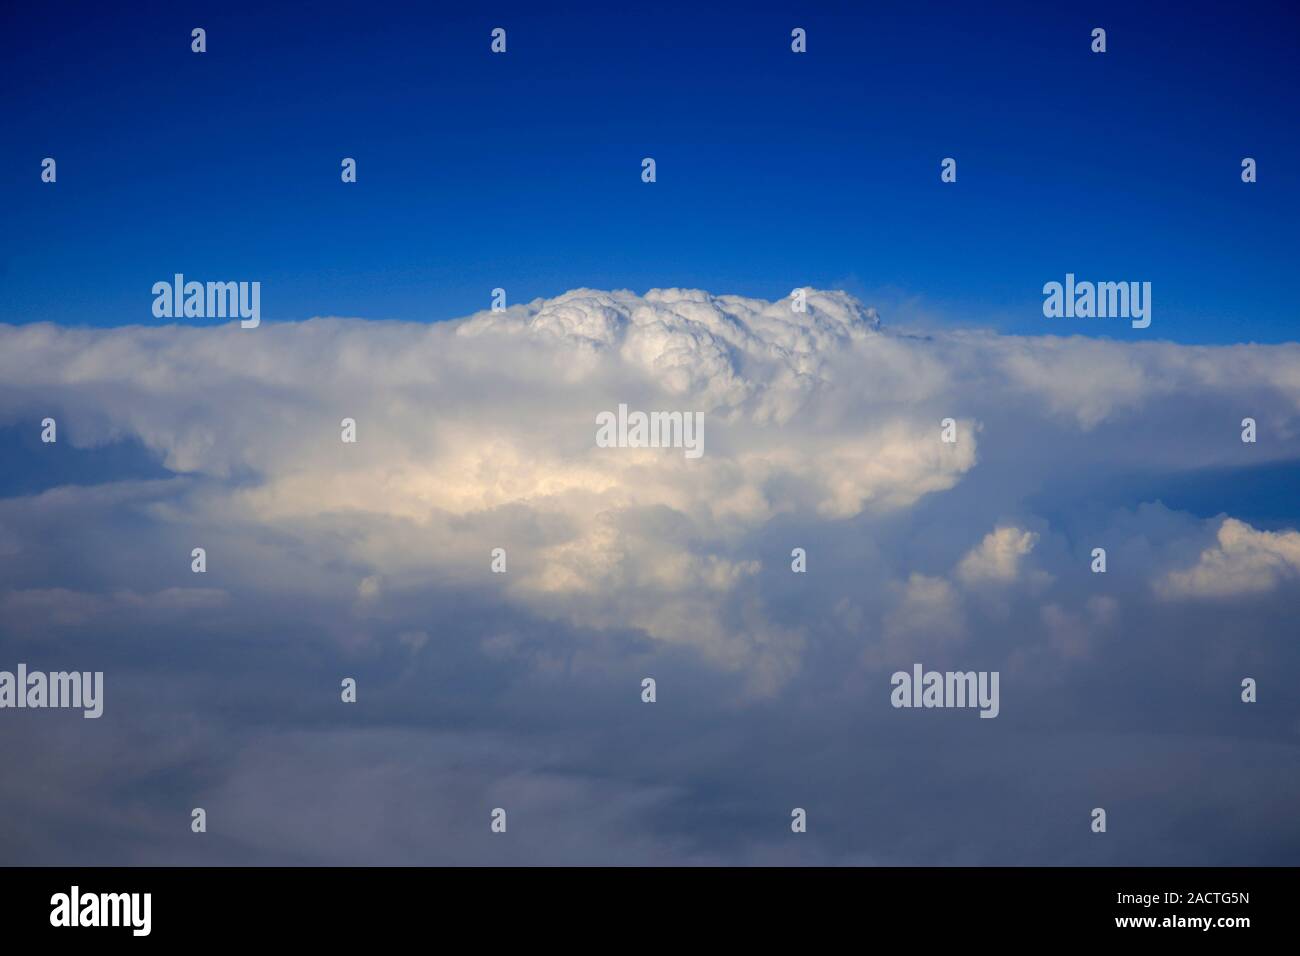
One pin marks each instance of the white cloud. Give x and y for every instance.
(479, 433)
(997, 558)
(1245, 561)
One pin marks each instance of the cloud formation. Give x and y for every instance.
(997, 559)
(1244, 561)
(822, 432)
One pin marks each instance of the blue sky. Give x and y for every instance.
(774, 170)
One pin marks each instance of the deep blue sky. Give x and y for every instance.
(775, 170)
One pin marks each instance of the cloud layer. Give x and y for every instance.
(822, 431)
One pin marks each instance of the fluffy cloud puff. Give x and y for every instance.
(997, 559)
(1243, 561)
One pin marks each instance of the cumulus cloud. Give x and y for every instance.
(479, 433)
(997, 558)
(1244, 561)
(822, 431)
